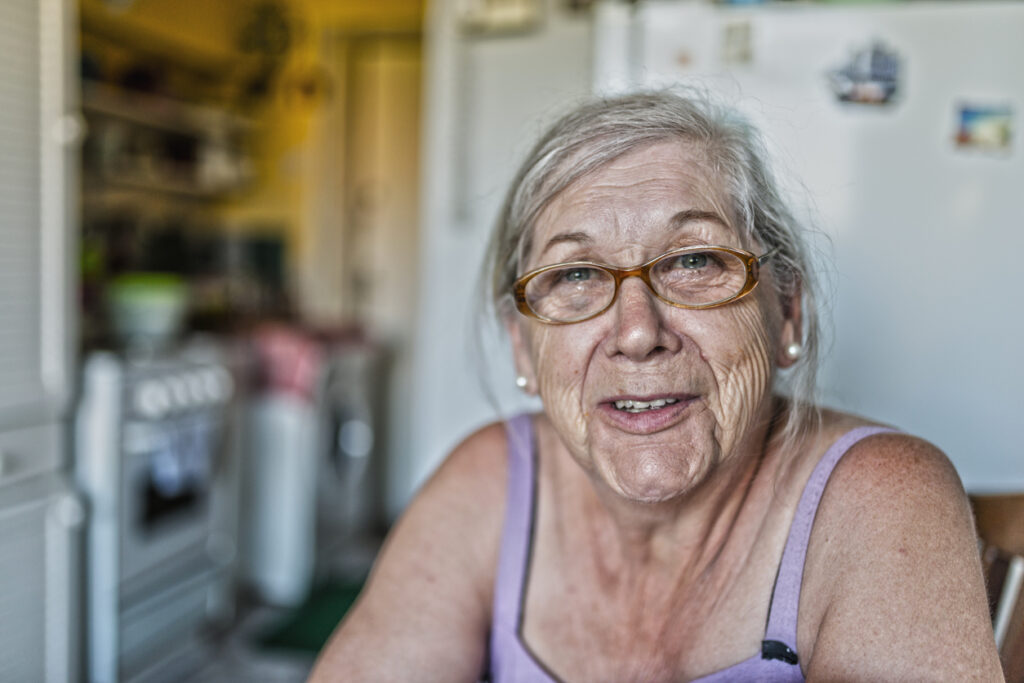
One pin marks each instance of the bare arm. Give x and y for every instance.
(425, 612)
(895, 567)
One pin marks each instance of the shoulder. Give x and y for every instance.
(893, 498)
(454, 521)
(479, 462)
(893, 575)
(461, 506)
(888, 493)
(464, 499)
(892, 473)
(425, 611)
(886, 472)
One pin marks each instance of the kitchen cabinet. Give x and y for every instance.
(167, 152)
(158, 145)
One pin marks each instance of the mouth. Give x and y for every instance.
(646, 414)
(630, 405)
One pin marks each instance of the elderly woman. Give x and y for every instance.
(670, 515)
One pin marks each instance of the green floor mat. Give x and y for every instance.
(308, 627)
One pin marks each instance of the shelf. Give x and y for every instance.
(172, 188)
(134, 145)
(161, 113)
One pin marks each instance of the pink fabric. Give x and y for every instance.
(512, 662)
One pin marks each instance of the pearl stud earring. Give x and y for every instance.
(521, 382)
(794, 350)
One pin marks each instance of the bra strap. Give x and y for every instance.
(518, 525)
(780, 635)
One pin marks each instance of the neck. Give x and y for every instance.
(685, 536)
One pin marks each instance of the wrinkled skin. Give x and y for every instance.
(655, 560)
(720, 360)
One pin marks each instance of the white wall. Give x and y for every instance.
(920, 343)
(926, 237)
(485, 100)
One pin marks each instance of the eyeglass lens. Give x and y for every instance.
(690, 278)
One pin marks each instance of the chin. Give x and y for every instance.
(650, 479)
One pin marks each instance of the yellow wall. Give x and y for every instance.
(203, 35)
(210, 27)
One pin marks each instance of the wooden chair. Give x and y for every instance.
(1000, 521)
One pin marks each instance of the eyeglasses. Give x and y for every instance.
(691, 277)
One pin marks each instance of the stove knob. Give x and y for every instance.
(178, 389)
(197, 391)
(211, 385)
(219, 384)
(152, 400)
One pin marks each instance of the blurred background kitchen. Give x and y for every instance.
(239, 245)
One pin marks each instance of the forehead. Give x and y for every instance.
(633, 203)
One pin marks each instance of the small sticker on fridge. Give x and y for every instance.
(987, 128)
(737, 45)
(870, 76)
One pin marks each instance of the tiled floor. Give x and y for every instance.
(247, 670)
(236, 660)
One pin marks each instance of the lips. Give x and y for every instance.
(645, 414)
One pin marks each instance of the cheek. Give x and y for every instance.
(743, 369)
(560, 362)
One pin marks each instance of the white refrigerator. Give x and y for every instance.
(901, 121)
(41, 518)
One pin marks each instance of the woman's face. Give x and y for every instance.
(711, 368)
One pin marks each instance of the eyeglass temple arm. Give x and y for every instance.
(767, 255)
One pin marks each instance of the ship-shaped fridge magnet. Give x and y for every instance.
(871, 76)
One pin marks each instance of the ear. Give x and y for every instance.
(792, 328)
(514, 325)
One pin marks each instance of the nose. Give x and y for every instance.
(640, 330)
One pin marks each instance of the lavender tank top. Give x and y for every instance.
(511, 662)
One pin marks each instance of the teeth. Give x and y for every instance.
(639, 406)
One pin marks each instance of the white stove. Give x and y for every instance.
(157, 462)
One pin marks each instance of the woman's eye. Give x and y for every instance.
(692, 261)
(578, 274)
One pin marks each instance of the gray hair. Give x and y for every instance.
(602, 130)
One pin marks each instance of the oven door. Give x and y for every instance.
(167, 482)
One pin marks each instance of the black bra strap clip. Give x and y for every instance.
(774, 649)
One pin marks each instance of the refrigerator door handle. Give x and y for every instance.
(65, 520)
(62, 128)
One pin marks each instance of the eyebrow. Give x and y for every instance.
(574, 237)
(678, 220)
(690, 215)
